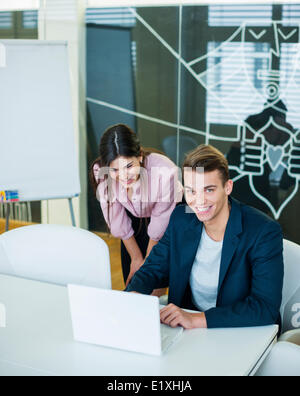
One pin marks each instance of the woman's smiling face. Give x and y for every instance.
(125, 170)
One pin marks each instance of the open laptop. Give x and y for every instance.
(120, 320)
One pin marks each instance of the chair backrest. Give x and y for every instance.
(283, 360)
(290, 307)
(56, 254)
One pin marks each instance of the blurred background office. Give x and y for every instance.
(227, 74)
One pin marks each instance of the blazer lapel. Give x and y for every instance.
(231, 239)
(190, 241)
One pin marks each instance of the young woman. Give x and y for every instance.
(137, 191)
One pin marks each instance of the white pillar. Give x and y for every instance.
(65, 20)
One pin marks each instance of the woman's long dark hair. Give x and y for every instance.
(118, 140)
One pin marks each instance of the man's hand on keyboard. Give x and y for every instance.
(174, 316)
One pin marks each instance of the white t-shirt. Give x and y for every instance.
(204, 278)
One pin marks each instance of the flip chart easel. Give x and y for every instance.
(38, 157)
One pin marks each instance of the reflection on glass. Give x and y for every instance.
(187, 75)
(6, 20)
(30, 19)
(231, 15)
(232, 82)
(121, 17)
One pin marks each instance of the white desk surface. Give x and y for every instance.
(38, 340)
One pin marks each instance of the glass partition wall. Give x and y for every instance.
(180, 76)
(227, 75)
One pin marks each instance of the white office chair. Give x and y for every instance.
(284, 358)
(56, 254)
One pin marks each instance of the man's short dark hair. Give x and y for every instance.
(210, 159)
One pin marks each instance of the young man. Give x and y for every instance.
(218, 256)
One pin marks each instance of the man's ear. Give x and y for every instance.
(229, 187)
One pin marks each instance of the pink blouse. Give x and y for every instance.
(154, 195)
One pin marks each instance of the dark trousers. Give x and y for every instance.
(140, 226)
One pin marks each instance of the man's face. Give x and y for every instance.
(205, 193)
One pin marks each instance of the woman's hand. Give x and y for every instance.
(134, 266)
(137, 259)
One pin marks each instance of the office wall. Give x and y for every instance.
(225, 75)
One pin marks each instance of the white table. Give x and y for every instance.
(38, 340)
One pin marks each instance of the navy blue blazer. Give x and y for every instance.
(251, 271)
